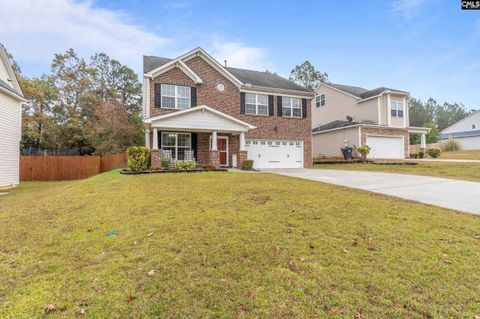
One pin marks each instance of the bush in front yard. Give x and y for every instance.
(363, 150)
(450, 145)
(138, 158)
(186, 165)
(165, 164)
(247, 165)
(414, 155)
(434, 152)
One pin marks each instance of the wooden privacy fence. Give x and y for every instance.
(58, 168)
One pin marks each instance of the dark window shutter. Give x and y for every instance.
(304, 108)
(242, 102)
(194, 145)
(270, 105)
(193, 97)
(279, 103)
(158, 95)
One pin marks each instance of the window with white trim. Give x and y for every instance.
(256, 104)
(175, 96)
(320, 100)
(396, 109)
(291, 107)
(177, 143)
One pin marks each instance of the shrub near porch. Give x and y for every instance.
(231, 245)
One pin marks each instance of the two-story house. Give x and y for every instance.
(344, 115)
(11, 99)
(194, 107)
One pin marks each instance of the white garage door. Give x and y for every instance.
(386, 147)
(275, 153)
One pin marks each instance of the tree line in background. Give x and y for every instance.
(82, 107)
(422, 114)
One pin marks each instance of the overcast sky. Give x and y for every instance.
(426, 47)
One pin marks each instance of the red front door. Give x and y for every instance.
(222, 150)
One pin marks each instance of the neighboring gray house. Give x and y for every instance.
(11, 99)
(466, 132)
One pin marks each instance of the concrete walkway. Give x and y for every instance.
(446, 160)
(454, 194)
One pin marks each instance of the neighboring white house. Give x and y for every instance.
(466, 132)
(11, 99)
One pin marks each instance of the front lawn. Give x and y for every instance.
(231, 245)
(463, 171)
(469, 155)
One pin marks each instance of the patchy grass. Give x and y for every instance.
(231, 245)
(463, 171)
(469, 155)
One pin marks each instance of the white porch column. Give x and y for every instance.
(214, 141)
(155, 139)
(423, 142)
(242, 142)
(389, 111)
(147, 138)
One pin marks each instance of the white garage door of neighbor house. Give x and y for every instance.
(386, 147)
(275, 153)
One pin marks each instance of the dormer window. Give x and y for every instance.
(473, 126)
(396, 109)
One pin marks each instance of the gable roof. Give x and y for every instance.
(265, 79)
(445, 130)
(334, 124)
(15, 90)
(240, 125)
(352, 90)
(243, 77)
(359, 92)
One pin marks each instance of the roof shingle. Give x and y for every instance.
(255, 78)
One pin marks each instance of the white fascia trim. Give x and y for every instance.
(379, 117)
(13, 76)
(419, 130)
(338, 90)
(210, 60)
(384, 92)
(177, 63)
(361, 125)
(201, 107)
(273, 91)
(12, 94)
(337, 128)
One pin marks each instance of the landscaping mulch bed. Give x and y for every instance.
(162, 171)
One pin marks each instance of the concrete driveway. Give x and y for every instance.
(454, 194)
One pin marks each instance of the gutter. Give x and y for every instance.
(13, 94)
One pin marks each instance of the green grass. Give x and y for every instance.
(463, 171)
(469, 155)
(231, 245)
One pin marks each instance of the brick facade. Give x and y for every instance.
(228, 102)
(387, 132)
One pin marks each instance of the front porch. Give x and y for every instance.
(199, 134)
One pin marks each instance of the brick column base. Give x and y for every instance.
(214, 158)
(241, 156)
(155, 157)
